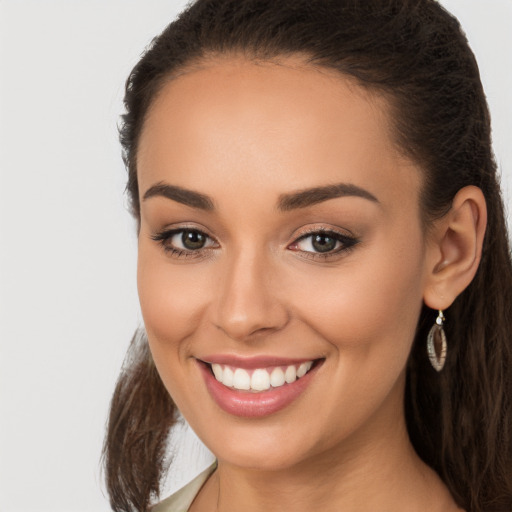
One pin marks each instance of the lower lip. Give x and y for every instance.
(254, 405)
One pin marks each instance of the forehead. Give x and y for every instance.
(283, 122)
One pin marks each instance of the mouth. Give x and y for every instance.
(258, 387)
(259, 379)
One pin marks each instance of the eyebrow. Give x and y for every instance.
(180, 195)
(311, 196)
(286, 202)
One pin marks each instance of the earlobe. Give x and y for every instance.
(455, 248)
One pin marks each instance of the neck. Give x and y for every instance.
(376, 469)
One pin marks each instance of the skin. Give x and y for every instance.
(244, 134)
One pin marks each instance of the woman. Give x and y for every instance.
(324, 271)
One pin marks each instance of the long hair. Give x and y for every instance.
(415, 53)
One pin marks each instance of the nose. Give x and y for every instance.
(247, 302)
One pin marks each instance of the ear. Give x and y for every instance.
(454, 248)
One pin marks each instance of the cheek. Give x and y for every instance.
(172, 302)
(368, 314)
(172, 297)
(370, 306)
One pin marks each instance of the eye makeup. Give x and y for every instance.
(323, 244)
(315, 244)
(185, 242)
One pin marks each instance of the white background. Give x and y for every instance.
(68, 304)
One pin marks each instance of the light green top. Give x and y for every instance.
(181, 500)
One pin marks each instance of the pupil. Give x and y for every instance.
(322, 243)
(193, 240)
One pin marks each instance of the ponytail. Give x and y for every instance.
(141, 415)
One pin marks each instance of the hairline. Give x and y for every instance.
(368, 90)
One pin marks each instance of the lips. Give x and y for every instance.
(256, 387)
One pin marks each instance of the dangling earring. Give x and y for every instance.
(436, 343)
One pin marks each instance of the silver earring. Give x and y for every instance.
(436, 343)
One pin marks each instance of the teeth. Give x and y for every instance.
(241, 379)
(290, 375)
(277, 378)
(227, 377)
(217, 371)
(261, 379)
(304, 368)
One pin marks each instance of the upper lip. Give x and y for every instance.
(251, 363)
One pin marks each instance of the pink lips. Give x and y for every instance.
(248, 404)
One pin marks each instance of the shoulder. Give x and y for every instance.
(181, 500)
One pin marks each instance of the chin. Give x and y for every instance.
(258, 446)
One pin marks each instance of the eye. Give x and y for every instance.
(184, 242)
(323, 243)
(319, 242)
(190, 240)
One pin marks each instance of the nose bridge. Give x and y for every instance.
(247, 302)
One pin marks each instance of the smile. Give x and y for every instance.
(256, 387)
(259, 379)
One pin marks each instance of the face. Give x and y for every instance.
(280, 249)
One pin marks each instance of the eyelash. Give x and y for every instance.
(164, 239)
(346, 242)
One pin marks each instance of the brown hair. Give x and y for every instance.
(414, 52)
